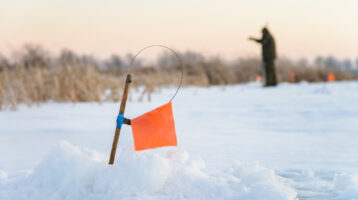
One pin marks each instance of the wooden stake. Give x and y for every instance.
(121, 110)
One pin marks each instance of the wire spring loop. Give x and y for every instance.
(176, 55)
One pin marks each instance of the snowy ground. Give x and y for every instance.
(235, 142)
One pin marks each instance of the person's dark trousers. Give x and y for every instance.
(270, 73)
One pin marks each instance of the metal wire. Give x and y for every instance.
(179, 59)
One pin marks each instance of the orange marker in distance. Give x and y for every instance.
(292, 74)
(331, 77)
(258, 78)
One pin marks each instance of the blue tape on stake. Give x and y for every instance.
(120, 120)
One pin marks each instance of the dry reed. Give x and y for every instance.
(35, 80)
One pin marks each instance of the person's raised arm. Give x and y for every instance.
(256, 40)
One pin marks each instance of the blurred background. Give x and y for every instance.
(79, 51)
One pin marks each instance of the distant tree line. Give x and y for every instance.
(331, 62)
(36, 56)
(33, 75)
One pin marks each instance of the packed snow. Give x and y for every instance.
(294, 141)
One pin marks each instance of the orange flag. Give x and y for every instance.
(154, 129)
(258, 78)
(331, 77)
(292, 74)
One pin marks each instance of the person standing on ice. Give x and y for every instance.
(269, 56)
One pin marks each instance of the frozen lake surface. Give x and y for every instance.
(295, 141)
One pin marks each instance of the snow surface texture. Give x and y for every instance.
(235, 142)
(72, 173)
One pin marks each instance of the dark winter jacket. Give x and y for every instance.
(268, 45)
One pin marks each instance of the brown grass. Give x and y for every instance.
(35, 80)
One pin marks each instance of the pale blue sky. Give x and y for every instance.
(304, 28)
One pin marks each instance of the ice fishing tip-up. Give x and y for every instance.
(120, 119)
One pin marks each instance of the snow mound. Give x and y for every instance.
(73, 173)
(346, 185)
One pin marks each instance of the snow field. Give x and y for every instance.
(235, 142)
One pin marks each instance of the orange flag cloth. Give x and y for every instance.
(154, 129)
(331, 77)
